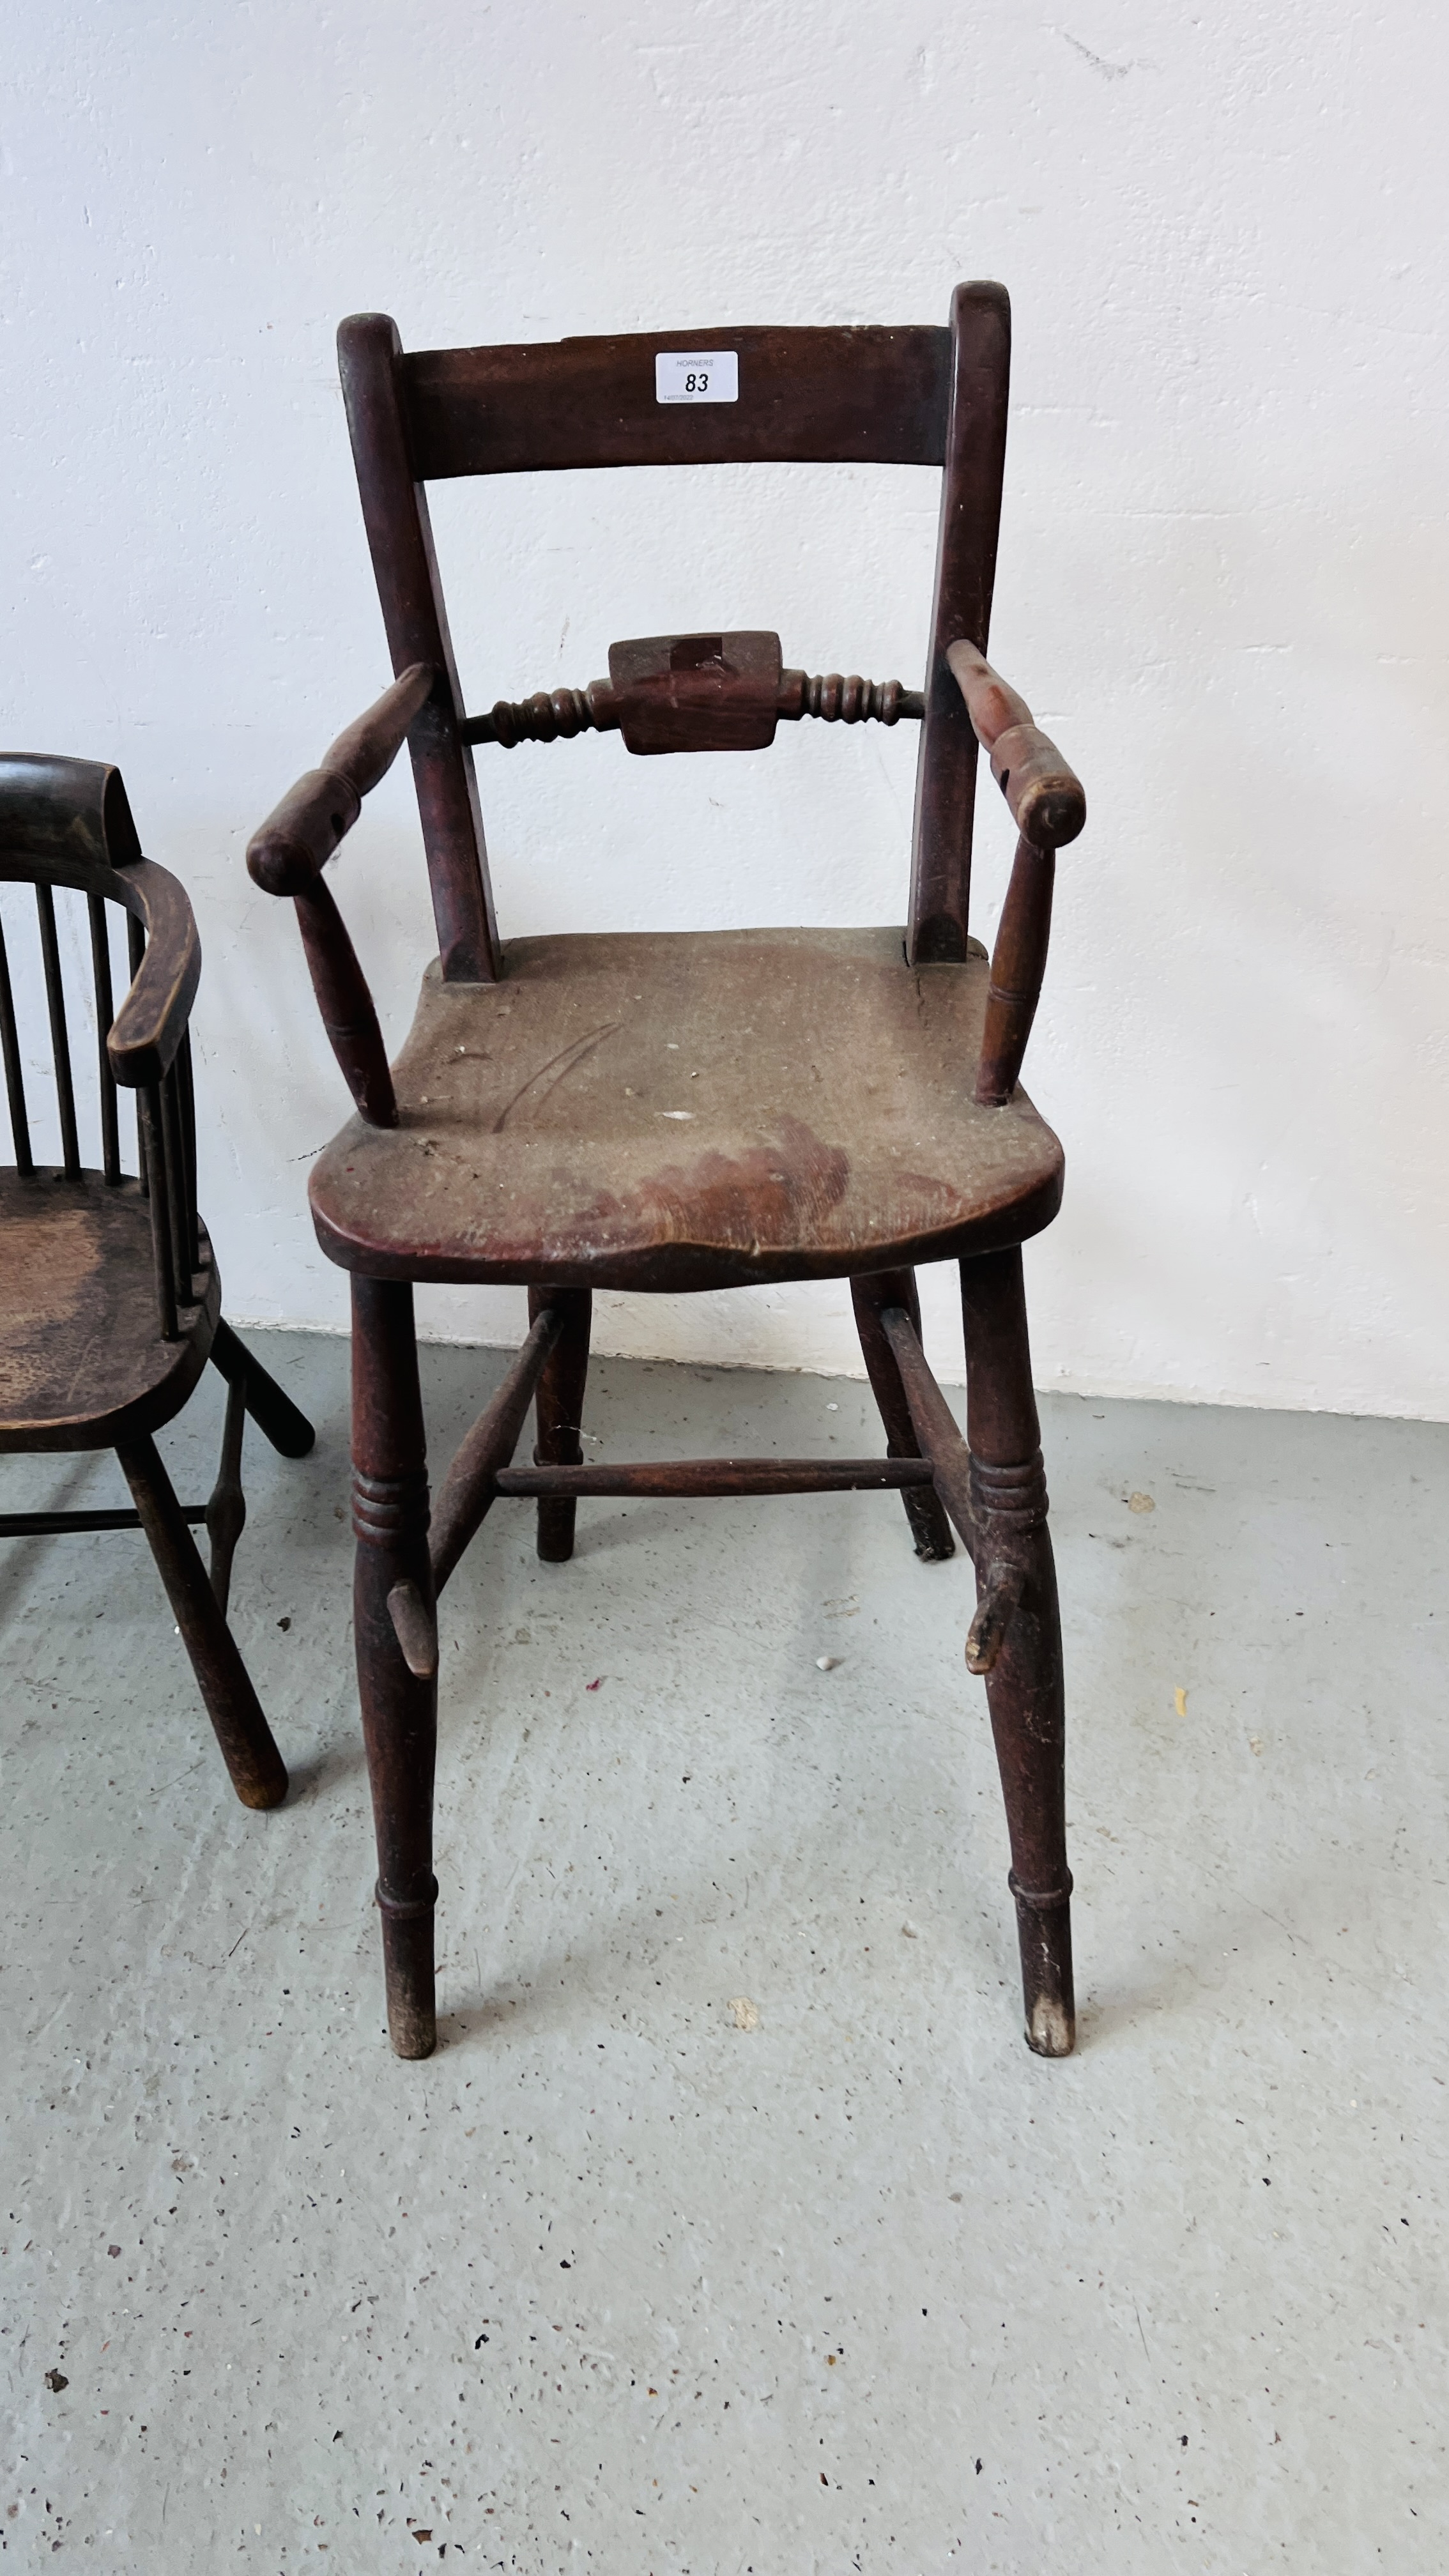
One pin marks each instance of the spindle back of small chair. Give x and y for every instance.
(66, 824)
(919, 395)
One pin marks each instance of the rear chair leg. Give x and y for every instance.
(559, 1401)
(1024, 1681)
(925, 1511)
(226, 1509)
(271, 1409)
(399, 1707)
(258, 1773)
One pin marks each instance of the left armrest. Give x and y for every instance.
(151, 1022)
(299, 836)
(1046, 798)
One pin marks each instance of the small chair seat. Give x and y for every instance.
(82, 1364)
(689, 1110)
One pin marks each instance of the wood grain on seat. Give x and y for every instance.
(689, 1110)
(82, 1365)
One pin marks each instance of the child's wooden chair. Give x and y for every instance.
(854, 1108)
(110, 1298)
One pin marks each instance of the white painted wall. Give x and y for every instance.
(1222, 574)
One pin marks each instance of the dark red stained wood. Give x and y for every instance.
(559, 715)
(1017, 965)
(1024, 1687)
(975, 458)
(559, 1404)
(688, 1110)
(938, 1433)
(399, 533)
(870, 1296)
(258, 1773)
(470, 1484)
(808, 396)
(346, 1005)
(696, 692)
(314, 817)
(720, 1476)
(670, 1113)
(399, 1707)
(1042, 791)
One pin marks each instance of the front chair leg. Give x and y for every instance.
(925, 1511)
(399, 1705)
(1020, 1641)
(258, 1773)
(559, 1403)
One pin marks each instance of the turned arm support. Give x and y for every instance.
(288, 854)
(1049, 809)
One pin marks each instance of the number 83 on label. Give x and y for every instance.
(696, 375)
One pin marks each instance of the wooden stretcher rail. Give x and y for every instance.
(54, 1524)
(739, 1476)
(470, 1486)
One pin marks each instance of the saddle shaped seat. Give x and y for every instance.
(689, 1110)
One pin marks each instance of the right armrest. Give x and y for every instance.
(1048, 805)
(299, 835)
(292, 848)
(148, 1028)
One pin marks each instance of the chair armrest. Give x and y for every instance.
(292, 848)
(299, 835)
(151, 1022)
(1048, 805)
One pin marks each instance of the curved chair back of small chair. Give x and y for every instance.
(67, 824)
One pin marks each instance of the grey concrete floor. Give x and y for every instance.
(613, 2281)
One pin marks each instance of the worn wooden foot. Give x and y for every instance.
(560, 1404)
(399, 1705)
(270, 1407)
(258, 1773)
(930, 1527)
(1017, 1636)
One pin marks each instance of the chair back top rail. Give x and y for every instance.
(833, 396)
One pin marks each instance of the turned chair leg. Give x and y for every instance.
(258, 1773)
(271, 1409)
(559, 1400)
(226, 1508)
(1021, 1644)
(399, 1705)
(925, 1511)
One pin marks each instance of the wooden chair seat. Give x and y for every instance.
(81, 1363)
(689, 1110)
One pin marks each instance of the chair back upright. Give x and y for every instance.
(919, 395)
(66, 825)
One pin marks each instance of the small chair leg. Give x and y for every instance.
(399, 1707)
(272, 1410)
(1024, 1686)
(258, 1773)
(226, 1509)
(559, 1402)
(925, 1511)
